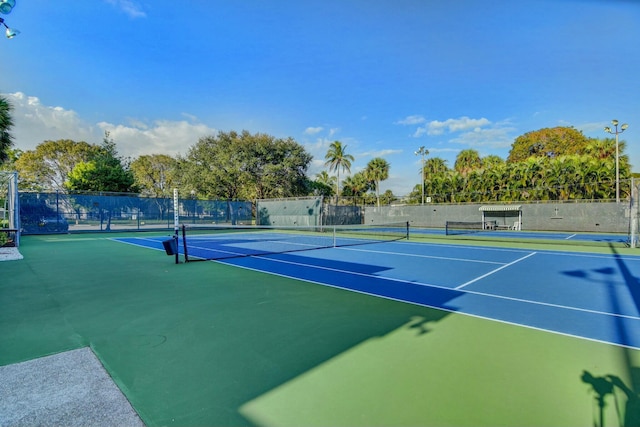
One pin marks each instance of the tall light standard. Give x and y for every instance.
(6, 6)
(616, 132)
(422, 152)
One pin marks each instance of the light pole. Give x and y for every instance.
(422, 152)
(6, 6)
(616, 132)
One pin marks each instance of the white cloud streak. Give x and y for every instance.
(411, 120)
(130, 8)
(436, 127)
(35, 123)
(313, 130)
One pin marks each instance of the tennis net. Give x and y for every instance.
(465, 227)
(211, 243)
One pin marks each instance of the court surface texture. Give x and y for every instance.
(592, 296)
(391, 334)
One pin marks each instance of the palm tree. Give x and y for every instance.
(6, 123)
(492, 161)
(467, 160)
(435, 165)
(377, 170)
(602, 148)
(355, 186)
(325, 179)
(337, 159)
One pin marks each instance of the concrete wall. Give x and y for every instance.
(570, 216)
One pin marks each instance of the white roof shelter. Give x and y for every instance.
(510, 211)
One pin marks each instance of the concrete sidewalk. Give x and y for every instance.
(66, 389)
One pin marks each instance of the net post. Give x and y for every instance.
(184, 243)
(176, 221)
(407, 230)
(633, 215)
(335, 243)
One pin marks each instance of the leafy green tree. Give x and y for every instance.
(105, 171)
(48, 166)
(155, 174)
(276, 167)
(377, 170)
(317, 188)
(213, 167)
(6, 123)
(235, 165)
(548, 142)
(13, 154)
(337, 159)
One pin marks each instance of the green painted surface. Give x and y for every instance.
(208, 344)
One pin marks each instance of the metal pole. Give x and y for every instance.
(423, 179)
(617, 169)
(616, 132)
(422, 152)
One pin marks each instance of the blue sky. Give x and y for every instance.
(382, 77)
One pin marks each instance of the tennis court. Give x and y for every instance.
(387, 333)
(576, 294)
(532, 235)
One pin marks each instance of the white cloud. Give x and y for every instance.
(313, 130)
(419, 132)
(131, 8)
(380, 153)
(496, 137)
(35, 123)
(593, 127)
(162, 136)
(411, 120)
(436, 127)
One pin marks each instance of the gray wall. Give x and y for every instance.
(571, 216)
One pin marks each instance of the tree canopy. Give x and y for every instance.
(377, 170)
(104, 171)
(48, 166)
(467, 160)
(155, 174)
(235, 166)
(548, 142)
(548, 164)
(338, 159)
(6, 123)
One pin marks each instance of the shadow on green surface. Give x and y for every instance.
(610, 387)
(187, 344)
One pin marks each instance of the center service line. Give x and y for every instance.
(495, 271)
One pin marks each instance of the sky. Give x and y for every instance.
(383, 77)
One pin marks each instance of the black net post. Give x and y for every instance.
(175, 238)
(184, 243)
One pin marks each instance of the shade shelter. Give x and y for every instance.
(506, 216)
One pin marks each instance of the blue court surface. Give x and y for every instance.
(533, 235)
(587, 295)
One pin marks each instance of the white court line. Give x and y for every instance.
(412, 282)
(494, 271)
(420, 256)
(449, 310)
(570, 237)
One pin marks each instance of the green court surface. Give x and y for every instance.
(210, 344)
